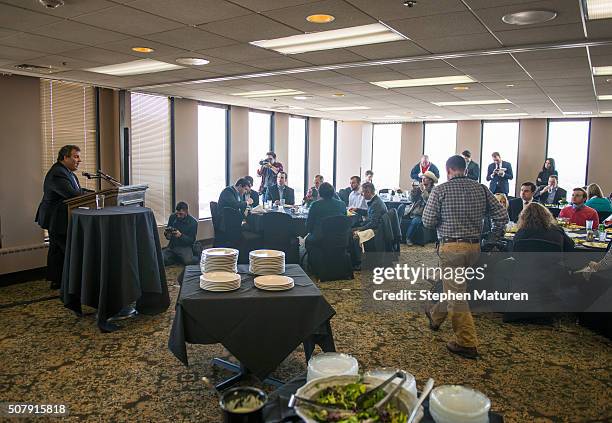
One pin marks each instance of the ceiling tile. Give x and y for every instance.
(389, 50)
(62, 62)
(345, 14)
(240, 52)
(326, 57)
(74, 31)
(249, 28)
(5, 32)
(99, 55)
(125, 47)
(70, 9)
(38, 43)
(276, 63)
(7, 52)
(451, 24)
(128, 21)
(550, 34)
(387, 10)
(599, 29)
(192, 12)
(190, 39)
(462, 43)
(16, 18)
(263, 5)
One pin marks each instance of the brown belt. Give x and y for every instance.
(466, 240)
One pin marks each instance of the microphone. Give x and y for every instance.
(109, 178)
(89, 175)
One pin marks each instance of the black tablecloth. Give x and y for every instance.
(276, 410)
(255, 224)
(113, 258)
(555, 210)
(396, 204)
(259, 328)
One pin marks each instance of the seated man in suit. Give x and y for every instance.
(376, 208)
(551, 193)
(578, 213)
(280, 191)
(327, 206)
(313, 192)
(498, 174)
(517, 205)
(181, 231)
(252, 193)
(233, 197)
(60, 184)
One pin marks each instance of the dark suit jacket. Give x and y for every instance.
(414, 174)
(59, 185)
(515, 207)
(543, 198)
(273, 195)
(319, 211)
(473, 171)
(376, 209)
(254, 196)
(231, 198)
(498, 183)
(344, 193)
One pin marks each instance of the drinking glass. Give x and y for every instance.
(282, 202)
(269, 204)
(100, 201)
(589, 224)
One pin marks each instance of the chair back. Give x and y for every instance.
(395, 228)
(278, 233)
(536, 246)
(603, 216)
(232, 224)
(335, 231)
(401, 209)
(330, 259)
(214, 213)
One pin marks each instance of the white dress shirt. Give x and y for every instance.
(357, 201)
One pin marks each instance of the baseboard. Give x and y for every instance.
(23, 276)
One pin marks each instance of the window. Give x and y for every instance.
(568, 144)
(68, 116)
(440, 144)
(151, 153)
(502, 137)
(297, 156)
(212, 155)
(328, 133)
(386, 151)
(259, 139)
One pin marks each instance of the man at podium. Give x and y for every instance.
(60, 184)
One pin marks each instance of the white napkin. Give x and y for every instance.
(364, 236)
(258, 209)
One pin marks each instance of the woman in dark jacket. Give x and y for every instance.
(547, 169)
(537, 223)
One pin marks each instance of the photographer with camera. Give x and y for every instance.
(181, 231)
(268, 171)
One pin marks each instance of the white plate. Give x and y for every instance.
(266, 254)
(271, 281)
(220, 252)
(220, 277)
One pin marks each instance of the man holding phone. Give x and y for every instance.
(181, 231)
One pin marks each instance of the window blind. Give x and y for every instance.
(68, 116)
(150, 152)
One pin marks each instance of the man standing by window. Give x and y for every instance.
(473, 170)
(60, 184)
(423, 166)
(498, 174)
(181, 231)
(268, 171)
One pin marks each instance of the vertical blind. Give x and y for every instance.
(68, 116)
(150, 152)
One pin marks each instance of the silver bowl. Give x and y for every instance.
(404, 400)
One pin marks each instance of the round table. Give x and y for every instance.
(113, 259)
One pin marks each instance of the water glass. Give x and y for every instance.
(99, 201)
(269, 204)
(282, 202)
(589, 224)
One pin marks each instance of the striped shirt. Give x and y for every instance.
(457, 208)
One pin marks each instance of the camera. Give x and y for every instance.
(169, 231)
(264, 162)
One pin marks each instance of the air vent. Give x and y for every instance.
(36, 68)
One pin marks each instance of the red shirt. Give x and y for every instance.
(580, 216)
(425, 168)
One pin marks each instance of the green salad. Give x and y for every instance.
(345, 397)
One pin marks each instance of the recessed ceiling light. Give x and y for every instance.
(302, 97)
(608, 79)
(500, 115)
(143, 49)
(529, 17)
(598, 9)
(606, 112)
(461, 88)
(338, 95)
(135, 67)
(320, 18)
(602, 70)
(335, 38)
(192, 61)
(424, 82)
(470, 102)
(268, 93)
(604, 97)
(341, 108)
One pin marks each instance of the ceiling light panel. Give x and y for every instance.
(268, 93)
(341, 108)
(598, 9)
(326, 40)
(500, 115)
(424, 82)
(604, 97)
(471, 102)
(602, 70)
(136, 67)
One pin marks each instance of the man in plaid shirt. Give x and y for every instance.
(456, 209)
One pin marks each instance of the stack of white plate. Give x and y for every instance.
(219, 260)
(220, 281)
(267, 262)
(331, 364)
(274, 283)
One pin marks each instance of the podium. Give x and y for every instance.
(116, 196)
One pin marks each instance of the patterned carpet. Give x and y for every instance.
(532, 373)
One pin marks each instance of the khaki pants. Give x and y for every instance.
(457, 254)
